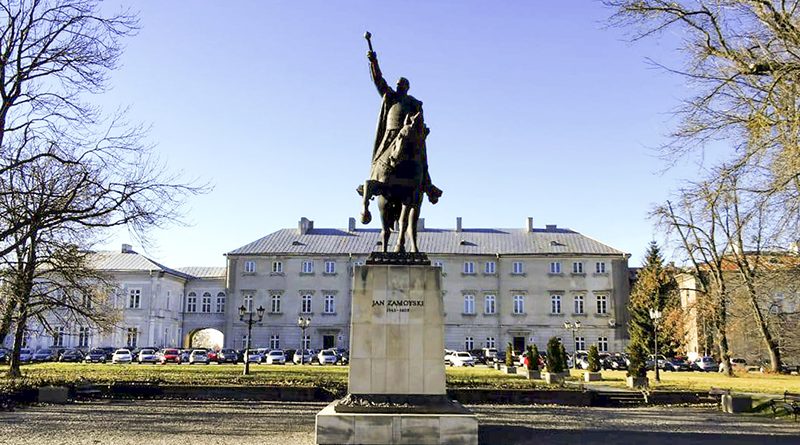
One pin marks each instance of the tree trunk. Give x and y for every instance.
(722, 321)
(19, 334)
(5, 323)
(763, 328)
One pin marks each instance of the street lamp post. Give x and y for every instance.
(655, 315)
(250, 322)
(573, 326)
(303, 323)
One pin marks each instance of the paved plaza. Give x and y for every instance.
(165, 422)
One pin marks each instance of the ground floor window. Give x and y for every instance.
(469, 343)
(580, 344)
(490, 342)
(83, 337)
(58, 336)
(602, 344)
(275, 342)
(132, 337)
(306, 342)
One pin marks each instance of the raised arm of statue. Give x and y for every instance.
(377, 77)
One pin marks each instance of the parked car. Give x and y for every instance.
(304, 357)
(96, 355)
(44, 355)
(275, 357)
(227, 356)
(25, 355)
(169, 355)
(739, 364)
(212, 355)
(122, 356)
(342, 356)
(5, 355)
(706, 364)
(198, 356)
(675, 364)
(614, 361)
(255, 356)
(327, 357)
(185, 355)
(71, 355)
(147, 356)
(462, 358)
(490, 355)
(478, 355)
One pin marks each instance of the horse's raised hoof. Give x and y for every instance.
(366, 217)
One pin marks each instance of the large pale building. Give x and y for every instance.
(516, 285)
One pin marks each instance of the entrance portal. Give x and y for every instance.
(207, 338)
(519, 344)
(328, 342)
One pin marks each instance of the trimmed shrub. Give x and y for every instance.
(564, 363)
(509, 355)
(594, 359)
(533, 358)
(555, 363)
(638, 358)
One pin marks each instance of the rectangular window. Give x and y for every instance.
(469, 267)
(191, 302)
(205, 306)
(247, 302)
(577, 267)
(580, 344)
(132, 337)
(305, 304)
(602, 344)
(307, 342)
(469, 343)
(600, 267)
(134, 298)
(489, 304)
(275, 342)
(517, 268)
(469, 304)
(555, 267)
(602, 304)
(277, 267)
(578, 304)
(275, 307)
(519, 304)
(250, 267)
(58, 336)
(490, 343)
(330, 304)
(244, 341)
(221, 302)
(330, 267)
(307, 267)
(555, 304)
(87, 301)
(489, 268)
(83, 337)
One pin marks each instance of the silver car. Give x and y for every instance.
(147, 356)
(122, 356)
(198, 356)
(275, 357)
(327, 357)
(25, 355)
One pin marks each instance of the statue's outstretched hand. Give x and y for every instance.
(372, 56)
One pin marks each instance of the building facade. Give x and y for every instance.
(500, 286)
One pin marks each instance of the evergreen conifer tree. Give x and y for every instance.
(594, 359)
(554, 361)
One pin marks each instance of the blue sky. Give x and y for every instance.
(536, 109)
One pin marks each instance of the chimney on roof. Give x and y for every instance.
(458, 224)
(305, 225)
(529, 226)
(127, 248)
(351, 225)
(420, 224)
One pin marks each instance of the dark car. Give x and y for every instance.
(675, 364)
(478, 355)
(71, 355)
(227, 356)
(44, 355)
(96, 355)
(614, 361)
(5, 354)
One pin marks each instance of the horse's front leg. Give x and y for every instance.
(401, 234)
(413, 218)
(366, 217)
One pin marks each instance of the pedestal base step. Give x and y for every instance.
(395, 428)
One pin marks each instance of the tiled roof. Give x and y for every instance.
(129, 262)
(432, 241)
(204, 272)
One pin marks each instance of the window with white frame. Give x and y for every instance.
(247, 301)
(519, 304)
(489, 268)
(489, 304)
(578, 306)
(134, 298)
(307, 342)
(205, 303)
(191, 302)
(490, 343)
(277, 267)
(87, 301)
(469, 343)
(305, 304)
(469, 267)
(307, 267)
(602, 304)
(330, 267)
(26, 340)
(602, 344)
(250, 266)
(166, 301)
(275, 303)
(330, 304)
(577, 267)
(469, 304)
(555, 304)
(221, 302)
(599, 267)
(84, 336)
(275, 341)
(132, 337)
(58, 336)
(580, 343)
(516, 268)
(555, 267)
(244, 341)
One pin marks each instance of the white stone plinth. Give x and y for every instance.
(361, 428)
(736, 404)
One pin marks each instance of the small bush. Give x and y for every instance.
(594, 359)
(564, 363)
(638, 358)
(555, 363)
(509, 355)
(533, 358)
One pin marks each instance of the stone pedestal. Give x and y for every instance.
(636, 382)
(736, 403)
(552, 378)
(396, 384)
(592, 377)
